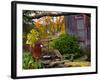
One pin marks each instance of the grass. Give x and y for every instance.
(77, 63)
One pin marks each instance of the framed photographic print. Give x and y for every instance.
(51, 39)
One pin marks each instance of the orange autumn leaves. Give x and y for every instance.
(37, 24)
(52, 24)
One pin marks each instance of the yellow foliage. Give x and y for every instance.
(32, 37)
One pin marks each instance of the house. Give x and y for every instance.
(79, 25)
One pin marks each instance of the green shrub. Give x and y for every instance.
(87, 52)
(29, 62)
(67, 45)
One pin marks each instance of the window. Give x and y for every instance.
(80, 24)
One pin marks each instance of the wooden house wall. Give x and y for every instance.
(79, 25)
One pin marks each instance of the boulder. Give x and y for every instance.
(51, 58)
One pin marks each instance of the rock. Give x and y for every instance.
(57, 64)
(51, 54)
(51, 58)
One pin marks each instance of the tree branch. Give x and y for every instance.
(37, 16)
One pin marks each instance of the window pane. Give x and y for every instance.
(80, 24)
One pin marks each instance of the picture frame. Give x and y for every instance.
(78, 13)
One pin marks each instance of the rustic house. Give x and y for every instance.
(79, 25)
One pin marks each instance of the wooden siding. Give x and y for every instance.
(79, 25)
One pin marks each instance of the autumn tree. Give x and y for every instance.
(45, 22)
